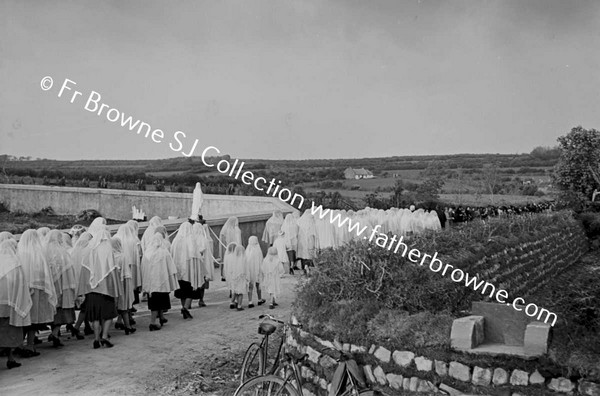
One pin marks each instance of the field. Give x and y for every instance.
(519, 177)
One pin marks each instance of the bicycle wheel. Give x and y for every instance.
(267, 385)
(252, 365)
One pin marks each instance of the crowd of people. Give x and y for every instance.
(50, 278)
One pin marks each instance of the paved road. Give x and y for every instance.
(139, 361)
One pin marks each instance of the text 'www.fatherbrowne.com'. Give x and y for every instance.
(435, 265)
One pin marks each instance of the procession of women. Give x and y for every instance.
(88, 277)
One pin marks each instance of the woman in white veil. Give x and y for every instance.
(15, 301)
(65, 284)
(159, 278)
(79, 254)
(41, 287)
(230, 233)
(205, 246)
(105, 287)
(254, 259)
(272, 227)
(308, 240)
(238, 276)
(290, 229)
(228, 265)
(187, 257)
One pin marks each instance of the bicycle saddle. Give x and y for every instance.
(266, 328)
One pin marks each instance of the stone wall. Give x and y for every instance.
(116, 204)
(395, 370)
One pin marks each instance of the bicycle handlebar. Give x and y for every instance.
(270, 317)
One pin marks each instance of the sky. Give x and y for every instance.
(285, 79)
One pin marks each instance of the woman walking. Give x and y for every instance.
(159, 278)
(205, 245)
(15, 301)
(80, 253)
(125, 300)
(238, 275)
(254, 259)
(230, 233)
(270, 276)
(130, 245)
(41, 288)
(102, 275)
(65, 284)
(187, 256)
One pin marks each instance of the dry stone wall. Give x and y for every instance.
(398, 370)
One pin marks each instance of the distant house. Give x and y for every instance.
(361, 173)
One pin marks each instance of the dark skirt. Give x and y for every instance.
(159, 302)
(185, 290)
(64, 316)
(10, 336)
(99, 307)
(292, 257)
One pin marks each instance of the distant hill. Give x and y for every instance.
(538, 158)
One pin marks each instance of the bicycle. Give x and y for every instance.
(347, 380)
(256, 356)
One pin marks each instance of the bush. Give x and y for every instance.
(591, 224)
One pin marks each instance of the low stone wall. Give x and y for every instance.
(116, 204)
(404, 370)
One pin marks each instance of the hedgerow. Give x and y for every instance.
(353, 286)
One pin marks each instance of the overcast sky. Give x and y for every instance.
(298, 79)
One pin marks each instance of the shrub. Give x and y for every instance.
(591, 224)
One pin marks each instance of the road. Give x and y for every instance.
(200, 356)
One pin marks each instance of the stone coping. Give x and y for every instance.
(137, 193)
(172, 225)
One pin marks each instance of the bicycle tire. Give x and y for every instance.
(253, 364)
(266, 385)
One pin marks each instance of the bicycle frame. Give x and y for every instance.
(264, 350)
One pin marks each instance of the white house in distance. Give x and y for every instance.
(361, 173)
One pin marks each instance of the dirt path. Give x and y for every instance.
(198, 356)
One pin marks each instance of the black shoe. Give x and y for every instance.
(132, 321)
(55, 341)
(130, 330)
(261, 302)
(201, 304)
(250, 305)
(271, 306)
(240, 308)
(12, 364)
(96, 344)
(154, 327)
(106, 343)
(186, 314)
(232, 306)
(133, 310)
(36, 341)
(162, 321)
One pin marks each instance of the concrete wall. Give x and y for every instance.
(116, 204)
